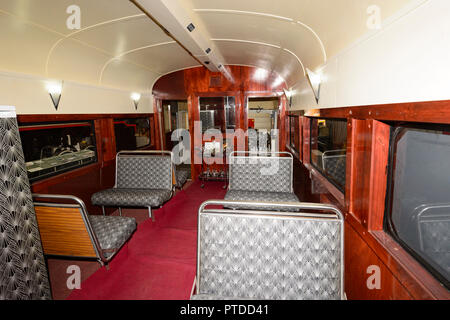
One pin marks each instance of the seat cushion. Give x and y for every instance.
(261, 196)
(112, 232)
(181, 176)
(131, 197)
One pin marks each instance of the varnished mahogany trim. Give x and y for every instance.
(416, 280)
(427, 111)
(369, 143)
(337, 194)
(37, 118)
(41, 185)
(63, 232)
(378, 174)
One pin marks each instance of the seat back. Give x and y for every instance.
(144, 170)
(65, 228)
(433, 225)
(23, 273)
(334, 164)
(272, 172)
(270, 255)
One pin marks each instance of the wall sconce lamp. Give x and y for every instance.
(136, 97)
(314, 80)
(288, 94)
(54, 89)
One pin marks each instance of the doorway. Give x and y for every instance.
(263, 119)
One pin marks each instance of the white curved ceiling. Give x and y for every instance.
(119, 46)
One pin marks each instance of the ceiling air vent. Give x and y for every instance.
(191, 27)
(215, 81)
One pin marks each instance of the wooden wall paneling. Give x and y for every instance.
(366, 243)
(300, 138)
(358, 258)
(349, 165)
(63, 232)
(306, 140)
(39, 118)
(378, 174)
(158, 121)
(359, 169)
(153, 137)
(427, 111)
(107, 140)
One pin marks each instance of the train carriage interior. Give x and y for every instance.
(224, 150)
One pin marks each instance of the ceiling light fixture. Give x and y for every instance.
(315, 81)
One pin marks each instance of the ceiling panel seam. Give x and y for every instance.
(266, 44)
(85, 29)
(131, 51)
(261, 14)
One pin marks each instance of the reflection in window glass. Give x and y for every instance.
(54, 148)
(328, 149)
(217, 113)
(419, 203)
(175, 116)
(294, 133)
(132, 134)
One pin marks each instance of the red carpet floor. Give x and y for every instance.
(159, 261)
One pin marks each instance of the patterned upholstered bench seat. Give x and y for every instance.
(112, 232)
(117, 197)
(271, 255)
(261, 179)
(143, 179)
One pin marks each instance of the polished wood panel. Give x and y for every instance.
(358, 259)
(63, 232)
(108, 139)
(306, 132)
(85, 181)
(378, 175)
(200, 82)
(428, 111)
(403, 277)
(359, 146)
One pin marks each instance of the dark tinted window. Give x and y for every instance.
(217, 113)
(54, 148)
(132, 134)
(328, 149)
(418, 213)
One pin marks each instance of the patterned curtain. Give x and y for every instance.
(23, 273)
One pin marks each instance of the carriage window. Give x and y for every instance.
(328, 149)
(132, 134)
(293, 137)
(53, 148)
(217, 113)
(418, 211)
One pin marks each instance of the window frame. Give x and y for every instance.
(150, 131)
(321, 171)
(388, 224)
(51, 175)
